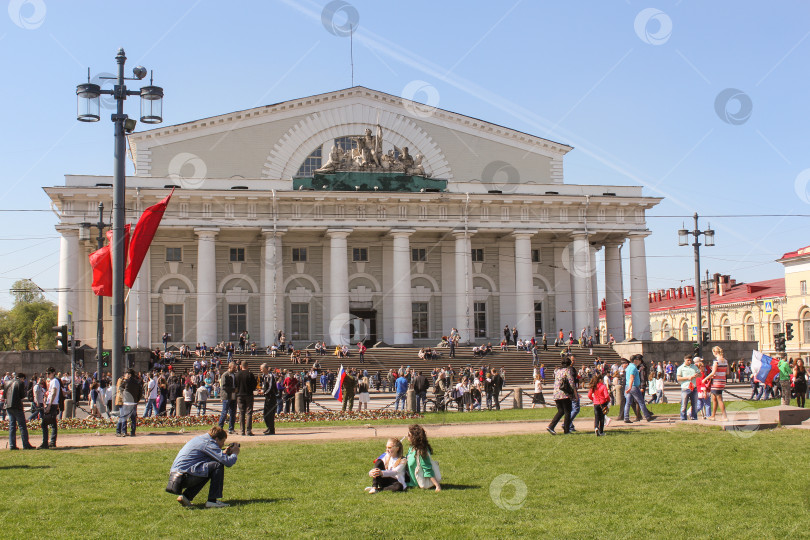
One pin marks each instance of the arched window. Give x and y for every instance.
(804, 319)
(312, 162)
(665, 331)
(725, 328)
(776, 325)
(684, 331)
(748, 327)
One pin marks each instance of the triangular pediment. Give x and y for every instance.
(272, 141)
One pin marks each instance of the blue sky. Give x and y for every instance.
(631, 85)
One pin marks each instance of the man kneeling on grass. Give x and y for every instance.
(200, 460)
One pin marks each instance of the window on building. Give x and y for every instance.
(299, 321)
(803, 288)
(174, 254)
(685, 334)
(237, 320)
(538, 318)
(310, 164)
(776, 325)
(805, 323)
(299, 254)
(237, 254)
(419, 312)
(174, 321)
(665, 331)
(480, 319)
(418, 254)
(347, 144)
(535, 255)
(725, 329)
(360, 254)
(477, 255)
(750, 332)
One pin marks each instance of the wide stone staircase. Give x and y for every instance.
(517, 364)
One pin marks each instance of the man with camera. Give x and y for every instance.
(200, 460)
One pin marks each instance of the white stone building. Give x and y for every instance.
(506, 242)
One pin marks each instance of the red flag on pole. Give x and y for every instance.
(142, 238)
(101, 262)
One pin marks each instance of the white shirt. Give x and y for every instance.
(152, 387)
(54, 387)
(394, 469)
(39, 395)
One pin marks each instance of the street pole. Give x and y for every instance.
(709, 305)
(696, 234)
(119, 209)
(100, 324)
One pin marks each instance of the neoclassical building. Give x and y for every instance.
(441, 221)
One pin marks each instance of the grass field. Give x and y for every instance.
(688, 481)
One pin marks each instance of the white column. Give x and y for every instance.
(563, 301)
(338, 287)
(138, 309)
(464, 314)
(524, 285)
(206, 286)
(68, 272)
(401, 291)
(579, 268)
(272, 305)
(614, 292)
(640, 302)
(594, 289)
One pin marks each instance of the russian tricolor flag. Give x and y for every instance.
(337, 393)
(764, 367)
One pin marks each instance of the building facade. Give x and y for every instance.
(482, 232)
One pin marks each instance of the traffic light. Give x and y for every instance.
(105, 359)
(779, 342)
(789, 331)
(704, 336)
(62, 341)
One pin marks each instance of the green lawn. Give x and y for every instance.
(688, 481)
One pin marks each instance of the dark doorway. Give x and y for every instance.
(363, 326)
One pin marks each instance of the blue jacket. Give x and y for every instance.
(200, 450)
(401, 384)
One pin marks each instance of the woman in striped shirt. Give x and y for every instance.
(718, 383)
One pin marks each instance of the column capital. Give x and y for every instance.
(338, 233)
(270, 232)
(206, 232)
(67, 230)
(639, 234)
(401, 232)
(577, 235)
(461, 234)
(614, 243)
(522, 234)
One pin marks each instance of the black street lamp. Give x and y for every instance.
(683, 240)
(88, 110)
(100, 225)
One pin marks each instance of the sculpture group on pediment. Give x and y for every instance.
(368, 156)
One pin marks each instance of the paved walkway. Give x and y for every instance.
(344, 433)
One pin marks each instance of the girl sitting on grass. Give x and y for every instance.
(420, 455)
(388, 473)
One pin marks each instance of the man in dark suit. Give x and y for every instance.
(497, 386)
(245, 383)
(270, 393)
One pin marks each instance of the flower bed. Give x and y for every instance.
(211, 419)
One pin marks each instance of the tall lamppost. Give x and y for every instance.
(683, 240)
(84, 234)
(88, 110)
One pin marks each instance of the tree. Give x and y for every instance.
(28, 324)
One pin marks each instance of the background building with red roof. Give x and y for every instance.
(734, 311)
